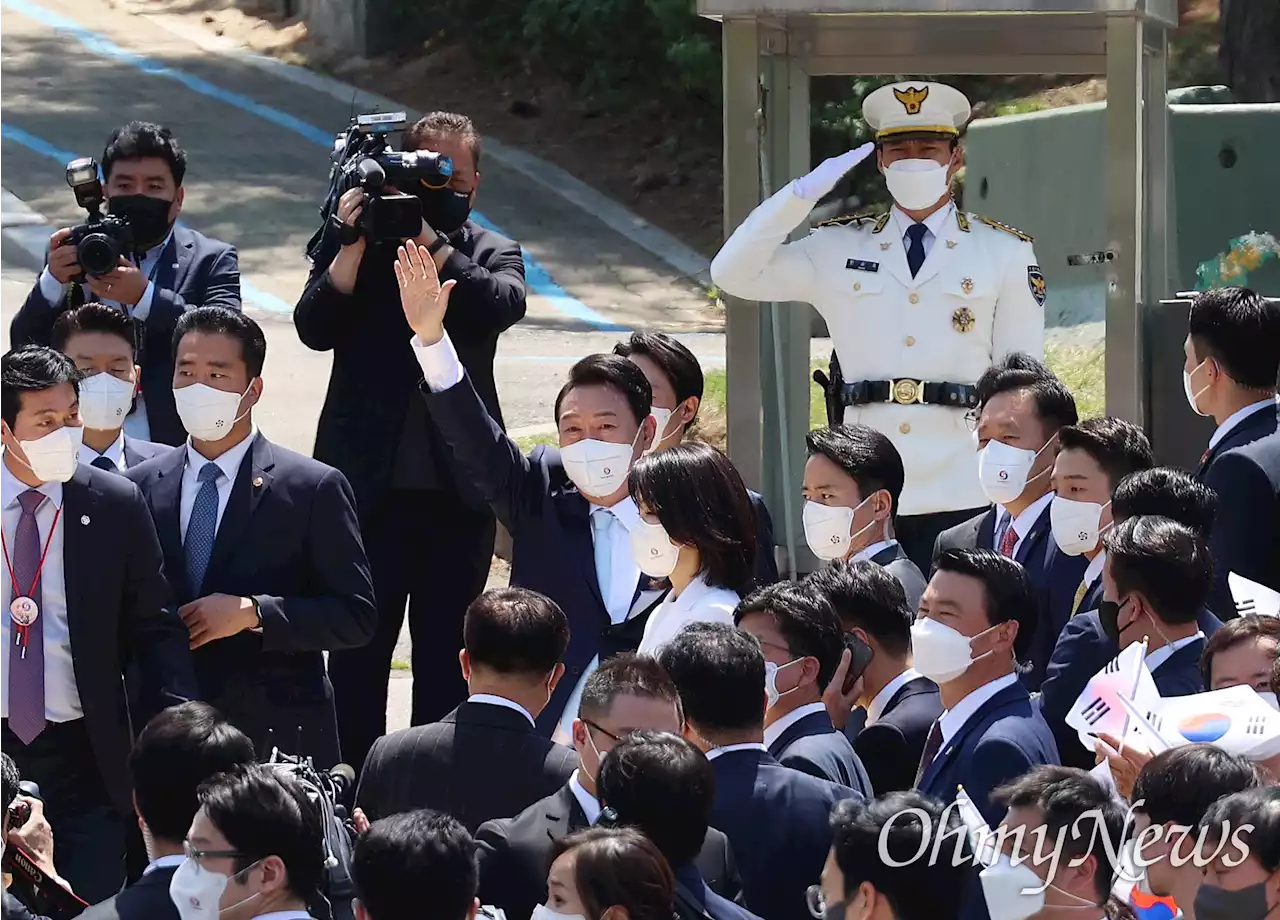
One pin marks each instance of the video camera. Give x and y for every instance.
(363, 157)
(103, 238)
(40, 893)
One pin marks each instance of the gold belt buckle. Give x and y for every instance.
(906, 391)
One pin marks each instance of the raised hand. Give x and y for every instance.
(826, 174)
(424, 299)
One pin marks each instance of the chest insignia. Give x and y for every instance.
(861, 265)
(962, 319)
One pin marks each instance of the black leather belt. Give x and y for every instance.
(905, 392)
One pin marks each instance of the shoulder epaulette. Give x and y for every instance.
(881, 223)
(847, 220)
(1026, 238)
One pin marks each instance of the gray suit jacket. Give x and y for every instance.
(895, 561)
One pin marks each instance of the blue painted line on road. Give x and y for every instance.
(538, 280)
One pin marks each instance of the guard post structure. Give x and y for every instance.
(770, 50)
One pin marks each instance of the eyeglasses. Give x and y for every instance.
(197, 856)
(816, 901)
(604, 731)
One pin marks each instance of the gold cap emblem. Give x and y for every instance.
(911, 98)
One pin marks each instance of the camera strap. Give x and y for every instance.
(347, 234)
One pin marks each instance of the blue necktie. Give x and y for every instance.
(602, 522)
(915, 249)
(104, 463)
(202, 526)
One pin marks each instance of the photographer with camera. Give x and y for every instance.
(26, 832)
(429, 538)
(134, 257)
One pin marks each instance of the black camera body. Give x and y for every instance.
(386, 215)
(103, 238)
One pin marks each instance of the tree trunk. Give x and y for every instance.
(1250, 49)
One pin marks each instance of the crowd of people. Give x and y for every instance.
(648, 722)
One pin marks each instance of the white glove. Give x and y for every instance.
(827, 173)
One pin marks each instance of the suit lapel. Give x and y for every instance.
(575, 519)
(986, 535)
(166, 510)
(563, 814)
(1031, 543)
(894, 258)
(131, 458)
(175, 260)
(253, 480)
(976, 722)
(79, 506)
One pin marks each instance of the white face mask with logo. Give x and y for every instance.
(53, 457)
(1191, 393)
(1017, 893)
(916, 184)
(1003, 470)
(206, 413)
(827, 528)
(196, 892)
(941, 653)
(1075, 524)
(652, 549)
(598, 468)
(105, 401)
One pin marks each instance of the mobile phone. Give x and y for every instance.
(862, 655)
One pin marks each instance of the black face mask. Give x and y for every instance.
(1109, 617)
(445, 209)
(149, 217)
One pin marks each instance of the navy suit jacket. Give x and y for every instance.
(776, 820)
(138, 451)
(891, 746)
(146, 899)
(193, 271)
(895, 561)
(289, 539)
(1004, 739)
(1083, 650)
(690, 883)
(766, 565)
(812, 745)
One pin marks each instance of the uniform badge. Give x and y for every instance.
(951, 244)
(966, 285)
(885, 246)
(1035, 280)
(912, 98)
(860, 265)
(962, 320)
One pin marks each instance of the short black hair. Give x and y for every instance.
(10, 779)
(662, 785)
(866, 456)
(610, 371)
(515, 631)
(1168, 562)
(139, 139)
(93, 317)
(1180, 784)
(1119, 447)
(672, 357)
(1055, 406)
(719, 672)
(402, 857)
(1063, 795)
(1165, 492)
(806, 620)
(1006, 586)
(1257, 807)
(178, 751)
(262, 813)
(1235, 632)
(32, 369)
(866, 596)
(901, 825)
(437, 124)
(232, 323)
(1239, 329)
(701, 501)
(628, 674)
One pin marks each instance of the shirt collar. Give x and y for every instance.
(228, 462)
(1094, 571)
(1023, 523)
(115, 451)
(881, 700)
(1235, 418)
(865, 555)
(11, 487)
(154, 251)
(589, 803)
(773, 732)
(164, 862)
(954, 719)
(625, 511)
(1165, 652)
(934, 221)
(494, 700)
(730, 748)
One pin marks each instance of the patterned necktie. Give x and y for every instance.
(915, 249)
(931, 746)
(26, 674)
(602, 522)
(202, 527)
(1008, 540)
(104, 463)
(1080, 593)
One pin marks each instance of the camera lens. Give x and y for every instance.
(97, 254)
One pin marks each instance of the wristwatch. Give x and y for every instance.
(440, 241)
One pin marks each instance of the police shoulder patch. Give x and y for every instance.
(848, 220)
(1026, 238)
(1035, 281)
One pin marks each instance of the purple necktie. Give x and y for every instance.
(26, 673)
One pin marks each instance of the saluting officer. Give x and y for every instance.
(918, 300)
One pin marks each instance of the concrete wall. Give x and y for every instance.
(337, 23)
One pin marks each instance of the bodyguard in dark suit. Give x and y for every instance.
(178, 751)
(967, 640)
(775, 817)
(429, 535)
(896, 705)
(802, 641)
(1247, 538)
(261, 546)
(485, 759)
(81, 548)
(172, 270)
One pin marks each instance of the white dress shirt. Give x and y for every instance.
(954, 719)
(1094, 570)
(865, 555)
(589, 803)
(114, 452)
(1023, 523)
(881, 699)
(1165, 652)
(164, 862)
(698, 602)
(1235, 418)
(933, 225)
(490, 699)
(229, 462)
(773, 732)
(730, 748)
(61, 696)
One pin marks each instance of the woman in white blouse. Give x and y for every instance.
(698, 530)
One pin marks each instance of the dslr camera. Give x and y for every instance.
(103, 238)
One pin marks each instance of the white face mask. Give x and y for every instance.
(661, 417)
(1003, 470)
(941, 653)
(53, 457)
(206, 413)
(1193, 395)
(827, 528)
(598, 468)
(196, 892)
(543, 912)
(1016, 892)
(1075, 524)
(1269, 697)
(653, 550)
(916, 184)
(771, 680)
(105, 401)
